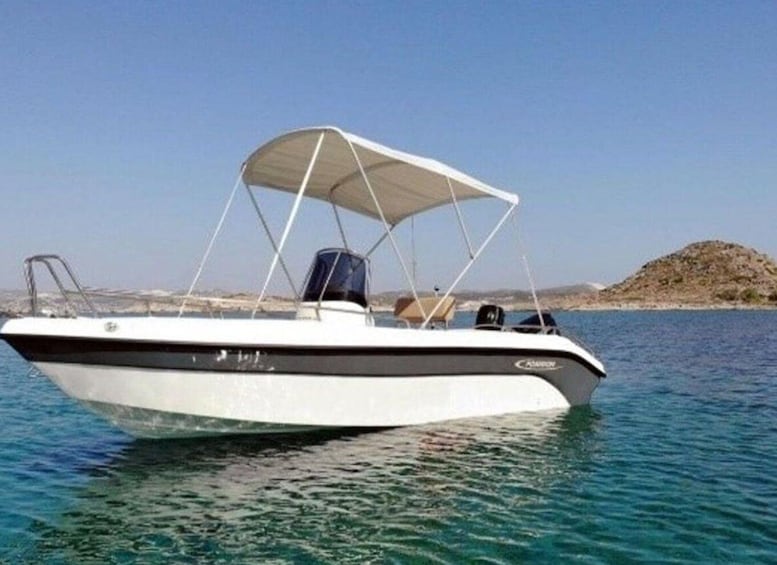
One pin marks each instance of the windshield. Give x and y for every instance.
(337, 274)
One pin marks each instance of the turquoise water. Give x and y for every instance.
(674, 461)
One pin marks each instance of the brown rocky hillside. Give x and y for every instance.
(707, 272)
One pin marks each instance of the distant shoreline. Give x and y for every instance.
(585, 303)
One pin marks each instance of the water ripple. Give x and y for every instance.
(672, 463)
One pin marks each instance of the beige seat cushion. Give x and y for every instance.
(408, 309)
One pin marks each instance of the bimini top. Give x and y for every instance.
(403, 184)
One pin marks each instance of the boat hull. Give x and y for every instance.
(178, 377)
(168, 402)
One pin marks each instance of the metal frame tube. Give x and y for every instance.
(329, 277)
(470, 263)
(272, 242)
(460, 217)
(32, 289)
(60, 286)
(380, 240)
(339, 223)
(386, 226)
(413, 258)
(212, 240)
(292, 216)
(528, 274)
(29, 275)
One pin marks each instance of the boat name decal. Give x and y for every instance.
(537, 365)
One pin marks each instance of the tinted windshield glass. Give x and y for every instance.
(337, 275)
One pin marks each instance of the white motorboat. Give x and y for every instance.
(332, 365)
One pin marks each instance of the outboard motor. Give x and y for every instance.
(533, 325)
(490, 317)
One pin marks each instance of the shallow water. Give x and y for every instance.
(674, 461)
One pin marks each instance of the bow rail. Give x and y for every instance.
(79, 298)
(53, 263)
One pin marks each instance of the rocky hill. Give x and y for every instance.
(703, 273)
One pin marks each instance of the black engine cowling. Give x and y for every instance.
(490, 317)
(532, 324)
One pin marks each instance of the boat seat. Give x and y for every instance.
(411, 311)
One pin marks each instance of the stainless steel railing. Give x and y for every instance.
(52, 264)
(75, 295)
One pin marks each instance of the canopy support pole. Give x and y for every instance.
(292, 216)
(385, 223)
(470, 263)
(414, 262)
(272, 242)
(522, 250)
(380, 240)
(339, 223)
(212, 240)
(460, 218)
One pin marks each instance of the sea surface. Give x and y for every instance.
(674, 461)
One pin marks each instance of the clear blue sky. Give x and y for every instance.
(629, 129)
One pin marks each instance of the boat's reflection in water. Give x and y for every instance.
(331, 496)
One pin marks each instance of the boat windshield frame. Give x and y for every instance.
(343, 278)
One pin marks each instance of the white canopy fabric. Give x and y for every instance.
(403, 184)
